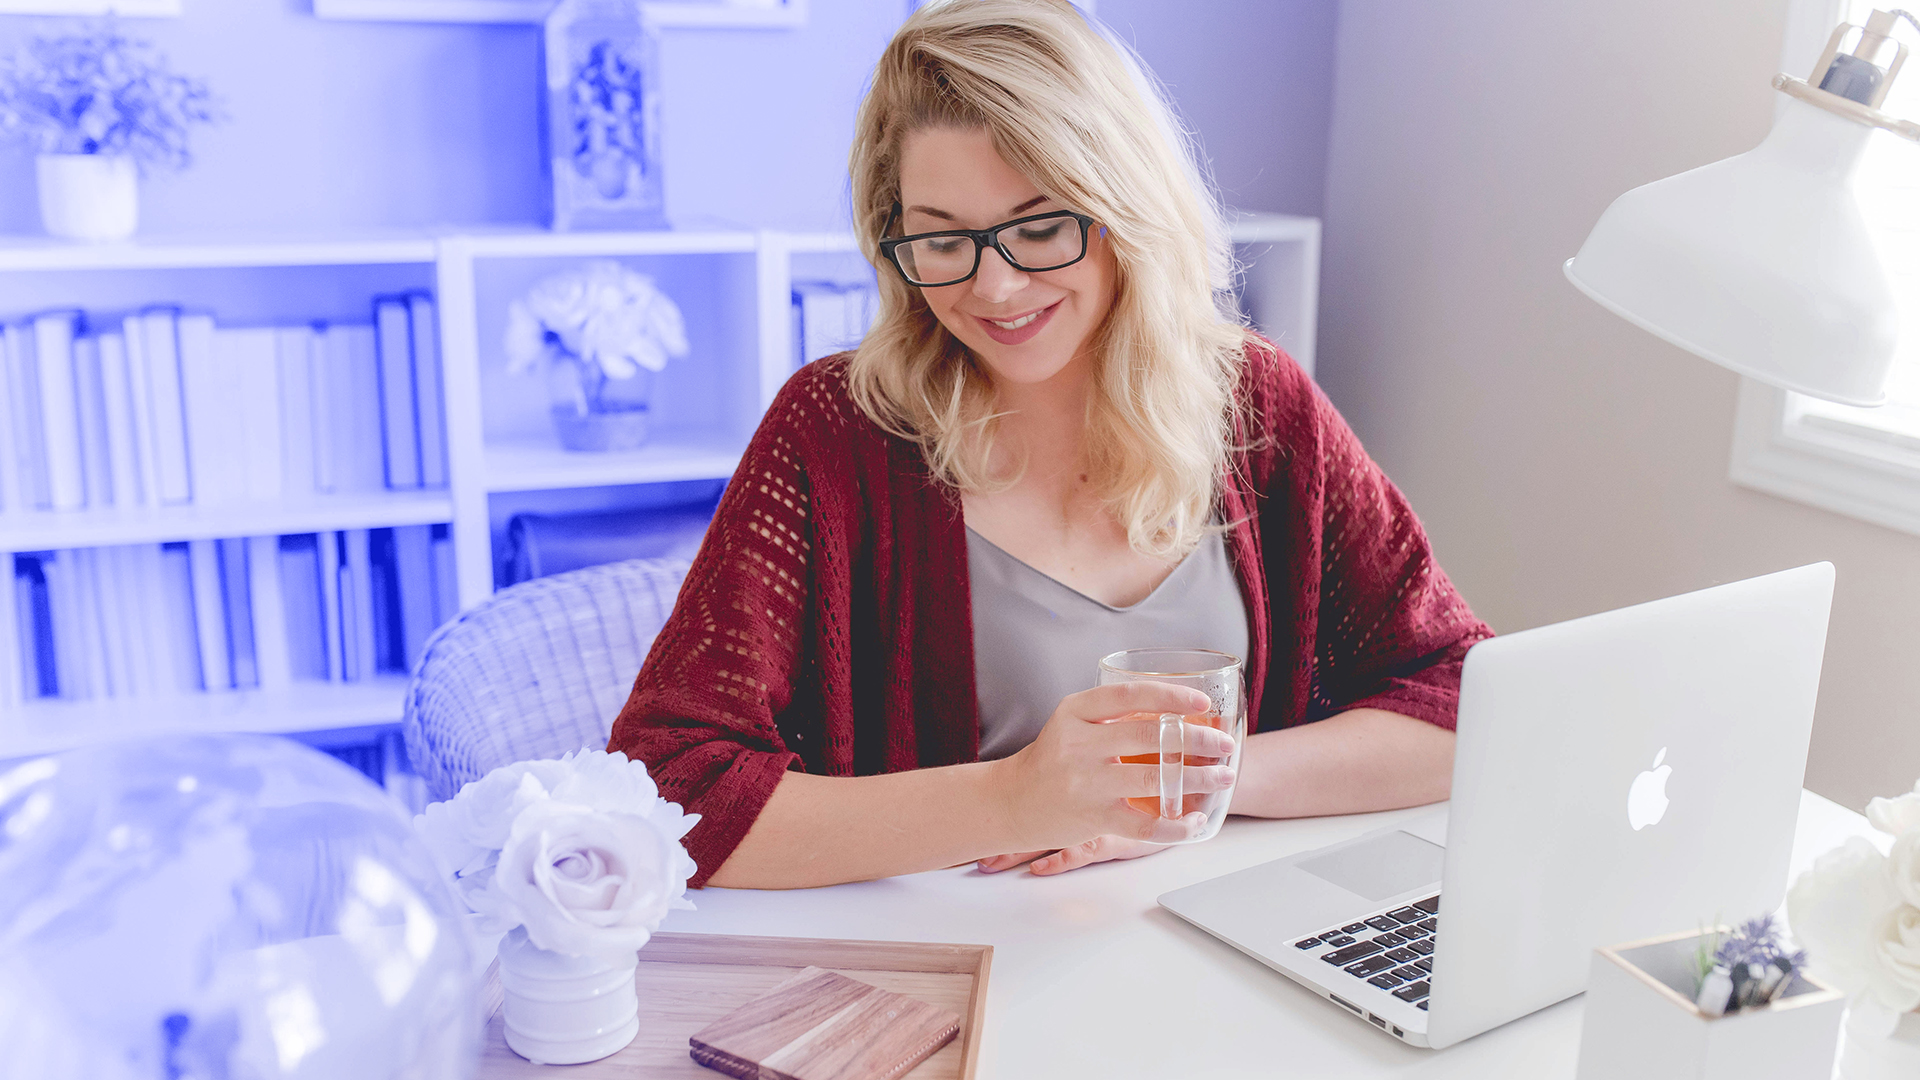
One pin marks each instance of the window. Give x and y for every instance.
(1861, 462)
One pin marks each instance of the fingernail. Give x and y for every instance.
(1227, 776)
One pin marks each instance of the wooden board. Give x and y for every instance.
(687, 981)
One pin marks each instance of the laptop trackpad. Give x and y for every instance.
(1379, 867)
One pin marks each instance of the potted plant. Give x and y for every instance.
(602, 333)
(99, 107)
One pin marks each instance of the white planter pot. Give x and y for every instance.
(1641, 1023)
(565, 1010)
(88, 196)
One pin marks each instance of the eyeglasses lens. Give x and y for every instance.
(1035, 245)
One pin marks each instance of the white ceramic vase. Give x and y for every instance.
(1867, 1056)
(565, 1010)
(88, 196)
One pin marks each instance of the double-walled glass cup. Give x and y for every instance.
(1218, 675)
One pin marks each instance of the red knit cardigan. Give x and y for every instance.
(826, 626)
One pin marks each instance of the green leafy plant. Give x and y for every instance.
(98, 91)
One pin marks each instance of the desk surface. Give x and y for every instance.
(1092, 978)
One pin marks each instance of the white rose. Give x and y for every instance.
(1903, 867)
(1844, 911)
(587, 881)
(1900, 949)
(1899, 815)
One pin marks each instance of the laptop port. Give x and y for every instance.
(1347, 1003)
(1400, 1033)
(1377, 1022)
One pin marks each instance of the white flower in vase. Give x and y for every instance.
(610, 321)
(1857, 911)
(578, 861)
(582, 852)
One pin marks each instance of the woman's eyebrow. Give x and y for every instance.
(944, 216)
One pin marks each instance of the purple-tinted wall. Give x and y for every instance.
(345, 125)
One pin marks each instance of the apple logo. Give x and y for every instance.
(1647, 798)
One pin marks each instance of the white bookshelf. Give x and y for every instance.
(734, 285)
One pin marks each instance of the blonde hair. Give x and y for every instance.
(1074, 111)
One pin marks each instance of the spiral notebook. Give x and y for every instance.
(821, 1025)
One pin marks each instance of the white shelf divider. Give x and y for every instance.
(537, 462)
(49, 725)
(47, 530)
(662, 14)
(186, 253)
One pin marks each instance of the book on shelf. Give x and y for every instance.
(830, 317)
(430, 387)
(159, 358)
(53, 335)
(90, 403)
(400, 420)
(23, 398)
(119, 417)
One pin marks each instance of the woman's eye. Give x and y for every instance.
(945, 247)
(1047, 232)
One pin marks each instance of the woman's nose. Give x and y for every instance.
(997, 279)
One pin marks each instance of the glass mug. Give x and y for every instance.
(1218, 675)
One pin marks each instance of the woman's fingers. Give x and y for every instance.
(1131, 738)
(997, 863)
(1173, 830)
(1143, 781)
(1098, 849)
(1119, 700)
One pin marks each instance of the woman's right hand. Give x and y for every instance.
(1069, 785)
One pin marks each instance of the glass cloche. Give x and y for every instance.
(230, 907)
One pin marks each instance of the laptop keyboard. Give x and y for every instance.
(1392, 951)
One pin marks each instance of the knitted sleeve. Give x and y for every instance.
(706, 709)
(1390, 632)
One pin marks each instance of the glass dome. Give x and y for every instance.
(223, 908)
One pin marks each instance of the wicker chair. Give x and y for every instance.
(535, 671)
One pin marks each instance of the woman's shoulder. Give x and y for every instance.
(1276, 396)
(815, 408)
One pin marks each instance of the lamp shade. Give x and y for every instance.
(1761, 263)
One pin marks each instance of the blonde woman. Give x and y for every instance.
(1056, 441)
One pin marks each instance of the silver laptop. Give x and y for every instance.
(1616, 777)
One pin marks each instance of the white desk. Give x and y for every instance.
(1091, 978)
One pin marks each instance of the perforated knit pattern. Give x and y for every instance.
(826, 623)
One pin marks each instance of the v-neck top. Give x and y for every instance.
(1036, 640)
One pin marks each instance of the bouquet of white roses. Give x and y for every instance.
(608, 319)
(1858, 913)
(582, 851)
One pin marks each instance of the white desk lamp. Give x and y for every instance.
(1762, 263)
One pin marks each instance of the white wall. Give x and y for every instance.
(1564, 461)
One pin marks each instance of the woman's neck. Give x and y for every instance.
(1045, 424)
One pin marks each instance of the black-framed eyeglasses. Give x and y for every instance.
(1049, 241)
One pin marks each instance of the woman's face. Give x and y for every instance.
(953, 178)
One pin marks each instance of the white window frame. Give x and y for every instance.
(1781, 446)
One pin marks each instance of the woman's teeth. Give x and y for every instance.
(1015, 324)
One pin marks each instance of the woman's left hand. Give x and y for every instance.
(1098, 849)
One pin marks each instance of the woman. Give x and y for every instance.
(1056, 417)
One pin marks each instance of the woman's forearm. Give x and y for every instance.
(824, 830)
(1366, 759)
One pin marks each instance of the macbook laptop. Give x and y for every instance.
(1616, 777)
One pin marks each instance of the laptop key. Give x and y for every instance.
(1414, 992)
(1422, 1006)
(1372, 965)
(1383, 924)
(1353, 928)
(1407, 914)
(1388, 941)
(1411, 932)
(1431, 905)
(1404, 956)
(1410, 973)
(1431, 926)
(1307, 943)
(1424, 946)
(1385, 982)
(1337, 940)
(1425, 963)
(1343, 957)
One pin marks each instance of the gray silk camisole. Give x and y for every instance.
(1035, 640)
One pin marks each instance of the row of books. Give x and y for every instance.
(830, 317)
(263, 612)
(164, 408)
